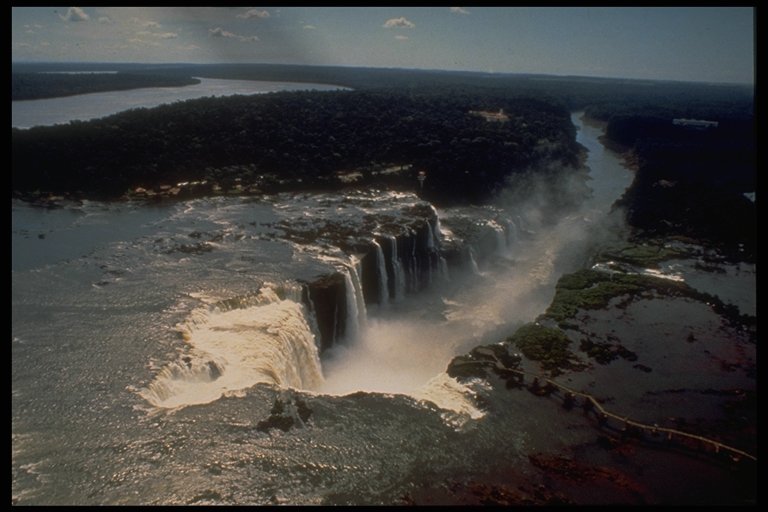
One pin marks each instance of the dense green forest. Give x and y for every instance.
(33, 86)
(690, 180)
(305, 139)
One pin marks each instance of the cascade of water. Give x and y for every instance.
(430, 238)
(431, 251)
(519, 223)
(381, 271)
(438, 228)
(512, 235)
(414, 267)
(356, 270)
(351, 323)
(444, 269)
(472, 261)
(397, 269)
(501, 237)
(238, 344)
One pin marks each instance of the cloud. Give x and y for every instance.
(401, 38)
(400, 22)
(189, 47)
(309, 27)
(75, 14)
(145, 23)
(45, 43)
(106, 20)
(254, 13)
(159, 35)
(459, 10)
(136, 40)
(220, 32)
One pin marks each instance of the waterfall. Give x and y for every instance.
(501, 237)
(414, 267)
(362, 313)
(236, 344)
(431, 250)
(356, 312)
(430, 238)
(519, 224)
(472, 261)
(512, 235)
(438, 229)
(398, 276)
(444, 269)
(381, 271)
(351, 323)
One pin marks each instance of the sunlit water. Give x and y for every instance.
(83, 107)
(139, 334)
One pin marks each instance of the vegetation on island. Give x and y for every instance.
(547, 345)
(592, 289)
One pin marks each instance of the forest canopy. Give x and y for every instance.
(415, 121)
(300, 138)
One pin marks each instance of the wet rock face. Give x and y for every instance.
(370, 278)
(327, 297)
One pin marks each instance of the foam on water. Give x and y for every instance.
(261, 339)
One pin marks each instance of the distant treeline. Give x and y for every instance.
(33, 86)
(606, 96)
(302, 138)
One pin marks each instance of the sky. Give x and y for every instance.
(707, 44)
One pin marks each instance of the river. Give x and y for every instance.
(150, 343)
(82, 107)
